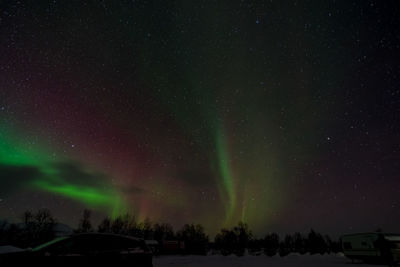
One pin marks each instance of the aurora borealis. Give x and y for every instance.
(283, 114)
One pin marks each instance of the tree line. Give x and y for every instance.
(38, 227)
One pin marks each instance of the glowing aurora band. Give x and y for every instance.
(16, 153)
(13, 152)
(225, 172)
(91, 197)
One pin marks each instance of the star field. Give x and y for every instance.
(284, 115)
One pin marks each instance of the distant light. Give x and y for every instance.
(257, 21)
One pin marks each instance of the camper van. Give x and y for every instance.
(371, 246)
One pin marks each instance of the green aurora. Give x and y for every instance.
(101, 196)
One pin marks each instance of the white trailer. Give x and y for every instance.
(366, 246)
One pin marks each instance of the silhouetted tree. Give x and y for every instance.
(234, 241)
(226, 242)
(105, 225)
(85, 224)
(299, 243)
(117, 225)
(316, 243)
(329, 244)
(163, 232)
(37, 228)
(283, 250)
(148, 232)
(124, 224)
(44, 224)
(271, 244)
(196, 241)
(27, 233)
(244, 235)
(255, 246)
(129, 224)
(286, 246)
(334, 246)
(289, 243)
(28, 218)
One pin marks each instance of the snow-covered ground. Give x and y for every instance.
(9, 249)
(337, 260)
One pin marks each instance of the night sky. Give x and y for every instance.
(281, 114)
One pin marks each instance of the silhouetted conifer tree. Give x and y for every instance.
(271, 244)
(316, 243)
(299, 243)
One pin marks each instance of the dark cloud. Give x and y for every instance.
(75, 173)
(13, 178)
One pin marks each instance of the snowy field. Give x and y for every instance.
(262, 260)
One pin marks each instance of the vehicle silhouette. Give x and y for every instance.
(90, 248)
